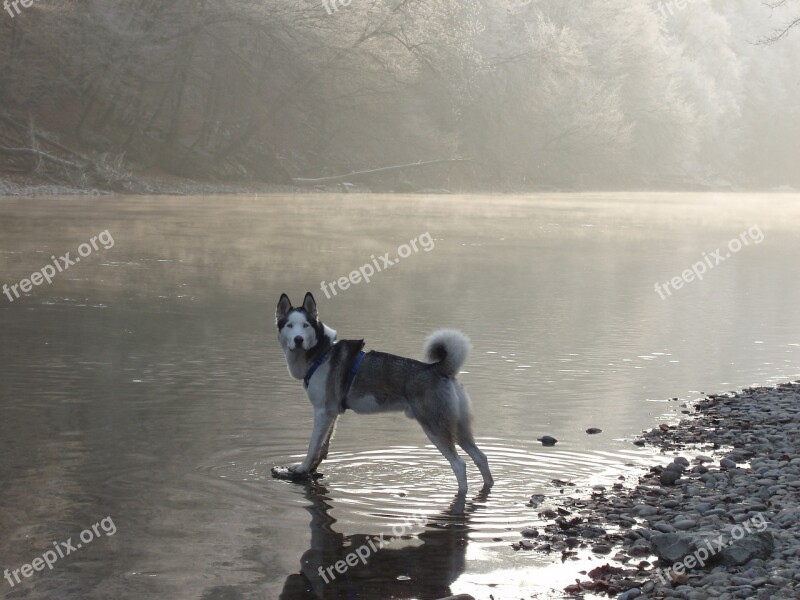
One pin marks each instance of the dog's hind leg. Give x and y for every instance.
(442, 438)
(467, 441)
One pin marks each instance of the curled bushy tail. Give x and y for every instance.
(447, 348)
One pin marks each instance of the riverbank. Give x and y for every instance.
(167, 185)
(720, 518)
(159, 186)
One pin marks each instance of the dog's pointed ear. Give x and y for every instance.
(284, 306)
(310, 306)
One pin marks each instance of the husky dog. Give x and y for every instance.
(339, 375)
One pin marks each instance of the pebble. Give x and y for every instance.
(669, 477)
(594, 430)
(644, 510)
(547, 440)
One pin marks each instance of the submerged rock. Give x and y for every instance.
(547, 440)
(536, 500)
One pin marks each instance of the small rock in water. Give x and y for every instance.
(536, 500)
(547, 440)
(727, 463)
(594, 430)
(639, 442)
(530, 532)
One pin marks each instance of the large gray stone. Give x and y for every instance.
(673, 547)
(757, 545)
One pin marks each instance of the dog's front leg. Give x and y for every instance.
(325, 444)
(324, 421)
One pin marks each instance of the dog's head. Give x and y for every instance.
(299, 329)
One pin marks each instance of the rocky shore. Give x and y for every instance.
(719, 519)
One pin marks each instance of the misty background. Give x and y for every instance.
(546, 94)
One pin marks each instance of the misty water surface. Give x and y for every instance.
(146, 384)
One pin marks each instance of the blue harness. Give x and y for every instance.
(352, 377)
(316, 365)
(321, 360)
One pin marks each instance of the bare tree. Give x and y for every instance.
(783, 31)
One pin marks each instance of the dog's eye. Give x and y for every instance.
(305, 325)
(289, 326)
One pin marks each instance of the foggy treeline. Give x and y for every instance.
(548, 93)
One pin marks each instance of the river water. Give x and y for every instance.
(145, 384)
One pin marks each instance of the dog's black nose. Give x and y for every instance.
(298, 341)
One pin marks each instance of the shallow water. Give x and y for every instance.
(145, 383)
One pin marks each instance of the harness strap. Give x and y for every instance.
(350, 379)
(316, 365)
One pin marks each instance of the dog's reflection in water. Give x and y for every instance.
(422, 567)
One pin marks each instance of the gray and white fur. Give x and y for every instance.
(425, 391)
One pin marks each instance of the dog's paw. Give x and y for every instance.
(294, 473)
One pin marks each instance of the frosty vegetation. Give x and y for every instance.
(539, 94)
